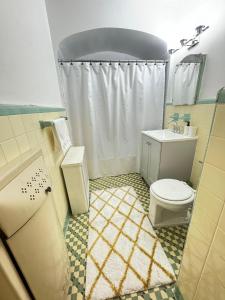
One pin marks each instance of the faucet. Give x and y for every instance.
(176, 128)
(175, 118)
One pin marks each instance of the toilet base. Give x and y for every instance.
(160, 216)
(171, 222)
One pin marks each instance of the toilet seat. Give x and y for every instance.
(172, 191)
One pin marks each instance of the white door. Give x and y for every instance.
(40, 251)
(33, 233)
(154, 151)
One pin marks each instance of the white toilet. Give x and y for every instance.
(170, 201)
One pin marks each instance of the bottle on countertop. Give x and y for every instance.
(186, 128)
(192, 131)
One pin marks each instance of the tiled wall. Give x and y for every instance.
(20, 133)
(202, 274)
(202, 117)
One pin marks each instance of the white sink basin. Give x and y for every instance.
(165, 135)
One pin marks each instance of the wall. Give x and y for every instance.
(108, 55)
(201, 116)
(133, 43)
(212, 43)
(20, 133)
(27, 67)
(159, 18)
(202, 274)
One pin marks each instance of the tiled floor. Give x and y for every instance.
(171, 238)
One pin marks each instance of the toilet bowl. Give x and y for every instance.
(170, 200)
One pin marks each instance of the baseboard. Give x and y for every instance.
(177, 293)
(66, 222)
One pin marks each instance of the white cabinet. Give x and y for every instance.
(150, 159)
(31, 233)
(171, 159)
(76, 178)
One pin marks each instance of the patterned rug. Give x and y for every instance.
(124, 253)
(171, 238)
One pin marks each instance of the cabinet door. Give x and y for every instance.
(154, 151)
(144, 158)
(41, 253)
(86, 178)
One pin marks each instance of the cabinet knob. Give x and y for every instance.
(48, 190)
(148, 143)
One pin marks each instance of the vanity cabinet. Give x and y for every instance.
(166, 159)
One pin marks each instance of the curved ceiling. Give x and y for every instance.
(112, 43)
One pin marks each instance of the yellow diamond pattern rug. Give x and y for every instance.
(124, 253)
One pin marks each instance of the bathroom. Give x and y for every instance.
(112, 142)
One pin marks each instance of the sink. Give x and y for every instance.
(166, 135)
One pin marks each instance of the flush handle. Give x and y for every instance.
(48, 190)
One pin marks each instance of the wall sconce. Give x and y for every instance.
(171, 51)
(183, 42)
(200, 29)
(192, 42)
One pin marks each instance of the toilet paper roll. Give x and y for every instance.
(192, 131)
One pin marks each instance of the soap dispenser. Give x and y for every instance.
(186, 128)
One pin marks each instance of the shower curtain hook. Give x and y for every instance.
(71, 63)
(136, 63)
(146, 62)
(119, 62)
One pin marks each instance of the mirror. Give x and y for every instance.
(187, 77)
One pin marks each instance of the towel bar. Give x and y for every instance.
(44, 124)
(48, 123)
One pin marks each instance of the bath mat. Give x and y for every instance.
(124, 254)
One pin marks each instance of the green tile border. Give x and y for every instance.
(221, 95)
(199, 101)
(206, 101)
(6, 109)
(177, 293)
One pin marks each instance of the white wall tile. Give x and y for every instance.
(10, 149)
(6, 131)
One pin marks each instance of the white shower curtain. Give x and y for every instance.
(109, 105)
(185, 83)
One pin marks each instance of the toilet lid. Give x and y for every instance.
(172, 189)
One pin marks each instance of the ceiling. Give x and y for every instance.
(169, 20)
(107, 43)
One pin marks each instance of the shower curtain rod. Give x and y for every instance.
(112, 61)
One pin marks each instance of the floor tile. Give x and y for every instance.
(172, 240)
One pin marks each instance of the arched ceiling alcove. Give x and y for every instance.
(112, 43)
